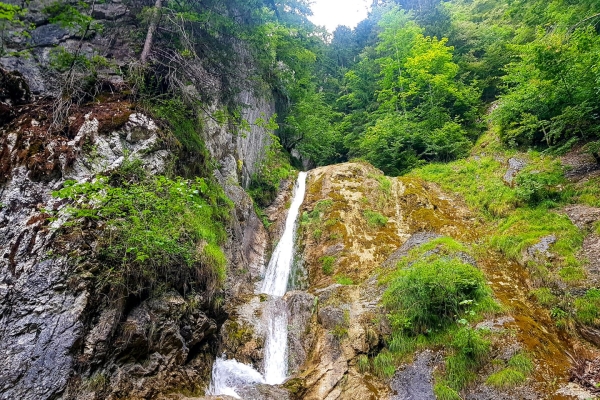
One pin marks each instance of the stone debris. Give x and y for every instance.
(515, 165)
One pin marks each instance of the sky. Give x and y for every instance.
(331, 13)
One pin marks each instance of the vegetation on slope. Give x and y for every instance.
(154, 230)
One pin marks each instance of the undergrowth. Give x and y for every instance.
(517, 216)
(153, 230)
(274, 168)
(432, 298)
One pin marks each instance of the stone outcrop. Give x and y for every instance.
(60, 339)
(334, 324)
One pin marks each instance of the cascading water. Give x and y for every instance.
(229, 375)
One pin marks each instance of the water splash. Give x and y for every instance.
(231, 375)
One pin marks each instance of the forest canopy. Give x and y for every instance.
(420, 81)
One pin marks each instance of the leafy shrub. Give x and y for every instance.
(533, 189)
(68, 16)
(430, 293)
(154, 229)
(183, 123)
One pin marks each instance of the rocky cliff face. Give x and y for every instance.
(58, 337)
(356, 224)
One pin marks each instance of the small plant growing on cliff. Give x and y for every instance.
(587, 308)
(470, 349)
(10, 17)
(274, 168)
(73, 17)
(515, 374)
(327, 263)
(375, 219)
(363, 364)
(383, 365)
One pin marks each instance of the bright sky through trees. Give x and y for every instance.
(331, 13)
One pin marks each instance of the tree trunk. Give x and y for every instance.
(151, 29)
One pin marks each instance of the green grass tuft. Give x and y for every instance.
(375, 219)
(327, 263)
(522, 363)
(587, 308)
(444, 392)
(431, 293)
(344, 280)
(384, 365)
(544, 297)
(363, 363)
(506, 378)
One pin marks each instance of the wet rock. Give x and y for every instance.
(13, 88)
(495, 324)
(483, 392)
(39, 325)
(415, 381)
(48, 35)
(515, 165)
(264, 392)
(581, 164)
(160, 345)
(574, 391)
(583, 216)
(301, 306)
(590, 334)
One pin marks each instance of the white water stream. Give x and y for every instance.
(230, 375)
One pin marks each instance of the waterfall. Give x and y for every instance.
(278, 270)
(229, 375)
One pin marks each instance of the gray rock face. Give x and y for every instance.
(540, 251)
(39, 325)
(415, 382)
(415, 240)
(45, 300)
(48, 35)
(515, 165)
(300, 306)
(110, 11)
(29, 69)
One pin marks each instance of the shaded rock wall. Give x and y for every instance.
(238, 152)
(59, 338)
